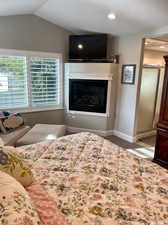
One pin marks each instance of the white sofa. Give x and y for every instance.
(42, 132)
(26, 136)
(11, 138)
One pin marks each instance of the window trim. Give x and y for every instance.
(28, 54)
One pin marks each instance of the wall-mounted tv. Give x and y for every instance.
(88, 47)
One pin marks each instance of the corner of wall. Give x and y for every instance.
(130, 49)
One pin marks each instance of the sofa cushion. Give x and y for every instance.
(16, 207)
(12, 137)
(11, 122)
(42, 132)
(15, 166)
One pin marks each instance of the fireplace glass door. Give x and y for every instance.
(88, 95)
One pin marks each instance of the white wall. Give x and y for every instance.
(129, 49)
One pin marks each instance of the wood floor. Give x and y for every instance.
(143, 148)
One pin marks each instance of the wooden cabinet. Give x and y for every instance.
(161, 148)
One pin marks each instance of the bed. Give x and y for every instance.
(95, 182)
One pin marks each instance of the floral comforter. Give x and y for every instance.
(95, 182)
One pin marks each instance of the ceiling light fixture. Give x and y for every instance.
(80, 46)
(111, 16)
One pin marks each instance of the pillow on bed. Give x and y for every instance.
(11, 122)
(15, 166)
(16, 207)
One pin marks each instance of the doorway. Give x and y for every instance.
(151, 91)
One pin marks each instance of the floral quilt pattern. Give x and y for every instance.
(95, 182)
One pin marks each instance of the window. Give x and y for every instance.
(44, 81)
(31, 81)
(13, 82)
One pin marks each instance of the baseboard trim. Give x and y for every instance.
(103, 133)
(146, 134)
(124, 136)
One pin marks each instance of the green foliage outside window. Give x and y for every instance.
(43, 81)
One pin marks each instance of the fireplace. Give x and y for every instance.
(88, 95)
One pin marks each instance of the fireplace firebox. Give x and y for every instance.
(88, 95)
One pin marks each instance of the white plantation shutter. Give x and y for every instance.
(31, 81)
(45, 86)
(13, 82)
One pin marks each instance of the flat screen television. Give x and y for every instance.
(88, 47)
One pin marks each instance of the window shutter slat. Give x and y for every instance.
(44, 76)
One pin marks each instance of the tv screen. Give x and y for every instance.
(88, 46)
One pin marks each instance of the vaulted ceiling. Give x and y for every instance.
(132, 16)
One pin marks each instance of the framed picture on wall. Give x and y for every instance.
(128, 74)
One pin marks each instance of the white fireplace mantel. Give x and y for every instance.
(87, 76)
(98, 71)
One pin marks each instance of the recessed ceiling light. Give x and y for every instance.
(80, 46)
(162, 47)
(111, 16)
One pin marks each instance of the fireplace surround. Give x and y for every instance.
(92, 84)
(88, 116)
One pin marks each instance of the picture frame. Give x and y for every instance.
(128, 74)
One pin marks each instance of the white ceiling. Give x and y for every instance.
(19, 7)
(156, 45)
(91, 15)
